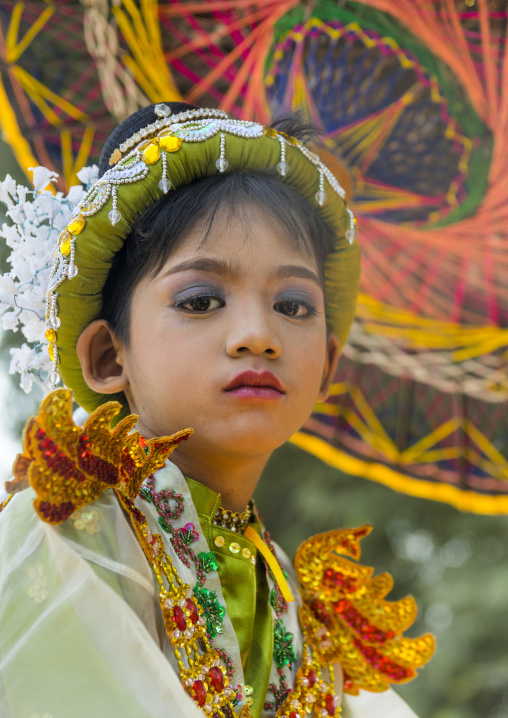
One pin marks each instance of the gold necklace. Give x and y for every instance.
(233, 520)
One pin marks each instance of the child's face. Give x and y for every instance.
(242, 302)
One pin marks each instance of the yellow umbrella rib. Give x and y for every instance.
(327, 409)
(138, 62)
(432, 457)
(85, 148)
(150, 10)
(13, 31)
(377, 440)
(376, 191)
(149, 51)
(484, 444)
(412, 454)
(137, 22)
(421, 332)
(43, 106)
(66, 145)
(144, 83)
(15, 49)
(479, 341)
(370, 417)
(71, 167)
(148, 63)
(37, 89)
(495, 470)
(400, 202)
(338, 389)
(370, 308)
(10, 128)
(363, 129)
(484, 347)
(365, 422)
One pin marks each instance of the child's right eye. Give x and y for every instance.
(200, 303)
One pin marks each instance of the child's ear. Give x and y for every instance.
(331, 360)
(98, 352)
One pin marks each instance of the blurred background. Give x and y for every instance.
(411, 99)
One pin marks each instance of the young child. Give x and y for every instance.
(207, 280)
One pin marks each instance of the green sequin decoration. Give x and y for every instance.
(208, 561)
(283, 651)
(145, 494)
(212, 610)
(164, 525)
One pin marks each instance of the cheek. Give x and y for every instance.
(165, 364)
(312, 349)
(311, 367)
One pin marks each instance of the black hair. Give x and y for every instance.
(160, 229)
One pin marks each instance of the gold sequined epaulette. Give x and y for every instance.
(69, 467)
(345, 618)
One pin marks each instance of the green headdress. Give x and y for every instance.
(169, 152)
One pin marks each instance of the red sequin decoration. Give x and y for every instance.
(320, 612)
(179, 618)
(337, 579)
(330, 704)
(383, 664)
(360, 624)
(199, 693)
(193, 611)
(216, 678)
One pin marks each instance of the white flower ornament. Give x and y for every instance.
(37, 217)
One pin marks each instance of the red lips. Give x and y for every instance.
(255, 380)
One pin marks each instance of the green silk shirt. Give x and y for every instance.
(245, 590)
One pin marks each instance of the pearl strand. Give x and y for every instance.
(321, 195)
(282, 166)
(351, 233)
(222, 164)
(114, 215)
(164, 183)
(72, 270)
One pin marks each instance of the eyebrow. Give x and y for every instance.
(295, 270)
(219, 267)
(224, 268)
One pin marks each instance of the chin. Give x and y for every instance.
(254, 439)
(256, 445)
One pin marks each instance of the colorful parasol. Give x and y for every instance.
(412, 100)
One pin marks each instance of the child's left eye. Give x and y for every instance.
(294, 308)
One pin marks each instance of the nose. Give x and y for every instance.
(252, 332)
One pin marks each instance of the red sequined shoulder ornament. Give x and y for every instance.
(69, 467)
(345, 618)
